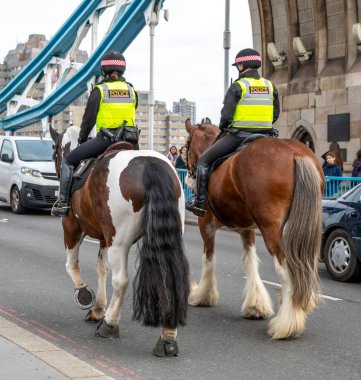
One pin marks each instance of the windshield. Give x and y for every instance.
(35, 150)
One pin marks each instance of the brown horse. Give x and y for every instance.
(276, 186)
(129, 196)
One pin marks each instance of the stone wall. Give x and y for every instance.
(321, 84)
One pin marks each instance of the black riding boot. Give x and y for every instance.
(198, 207)
(61, 206)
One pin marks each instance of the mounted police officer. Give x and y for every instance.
(251, 105)
(111, 106)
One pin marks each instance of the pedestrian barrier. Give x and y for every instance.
(336, 186)
(188, 193)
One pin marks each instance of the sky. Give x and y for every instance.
(188, 55)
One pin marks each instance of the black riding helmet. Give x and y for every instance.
(113, 61)
(248, 58)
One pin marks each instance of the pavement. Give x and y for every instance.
(25, 356)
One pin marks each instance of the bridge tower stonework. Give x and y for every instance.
(311, 50)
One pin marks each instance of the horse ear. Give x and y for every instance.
(53, 133)
(189, 126)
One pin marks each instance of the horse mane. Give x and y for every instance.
(208, 128)
(71, 136)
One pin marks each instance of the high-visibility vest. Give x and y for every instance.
(255, 107)
(117, 104)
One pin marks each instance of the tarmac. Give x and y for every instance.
(25, 356)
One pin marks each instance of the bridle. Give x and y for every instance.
(56, 155)
(191, 171)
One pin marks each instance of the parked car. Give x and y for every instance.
(27, 173)
(341, 237)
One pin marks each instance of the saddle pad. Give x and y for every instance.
(82, 173)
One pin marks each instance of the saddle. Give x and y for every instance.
(242, 145)
(85, 167)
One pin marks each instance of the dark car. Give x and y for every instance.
(341, 236)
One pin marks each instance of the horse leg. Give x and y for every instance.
(98, 311)
(257, 304)
(290, 320)
(84, 296)
(205, 293)
(167, 343)
(118, 260)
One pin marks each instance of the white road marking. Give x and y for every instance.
(92, 241)
(279, 286)
(3, 220)
(97, 242)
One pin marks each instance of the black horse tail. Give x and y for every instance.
(161, 285)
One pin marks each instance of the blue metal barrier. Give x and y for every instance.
(336, 186)
(188, 193)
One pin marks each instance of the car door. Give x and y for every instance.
(5, 167)
(353, 217)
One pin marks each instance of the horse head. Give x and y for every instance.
(200, 138)
(63, 144)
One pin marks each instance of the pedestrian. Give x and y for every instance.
(181, 162)
(335, 148)
(356, 166)
(111, 106)
(172, 155)
(251, 105)
(331, 169)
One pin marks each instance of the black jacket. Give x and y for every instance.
(92, 108)
(232, 98)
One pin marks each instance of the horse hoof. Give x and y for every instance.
(163, 348)
(94, 315)
(84, 298)
(106, 331)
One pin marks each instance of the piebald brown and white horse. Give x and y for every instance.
(129, 196)
(276, 186)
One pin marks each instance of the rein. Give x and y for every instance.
(191, 172)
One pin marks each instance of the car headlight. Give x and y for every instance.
(31, 172)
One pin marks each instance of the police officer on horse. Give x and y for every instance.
(111, 106)
(251, 105)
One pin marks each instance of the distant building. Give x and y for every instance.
(169, 128)
(13, 63)
(185, 108)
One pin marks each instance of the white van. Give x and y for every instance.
(27, 173)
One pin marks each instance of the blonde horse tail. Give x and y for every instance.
(302, 234)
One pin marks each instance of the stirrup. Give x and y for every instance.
(198, 211)
(60, 209)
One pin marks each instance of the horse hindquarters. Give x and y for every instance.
(301, 247)
(161, 284)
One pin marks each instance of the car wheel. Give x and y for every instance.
(16, 204)
(341, 257)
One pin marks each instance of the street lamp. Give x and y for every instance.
(226, 45)
(153, 20)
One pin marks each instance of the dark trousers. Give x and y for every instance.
(222, 147)
(89, 149)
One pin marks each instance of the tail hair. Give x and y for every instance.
(302, 233)
(161, 285)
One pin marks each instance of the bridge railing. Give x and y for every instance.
(188, 193)
(336, 186)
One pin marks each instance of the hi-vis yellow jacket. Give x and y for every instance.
(255, 107)
(117, 104)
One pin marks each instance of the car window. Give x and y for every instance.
(7, 149)
(35, 150)
(353, 194)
